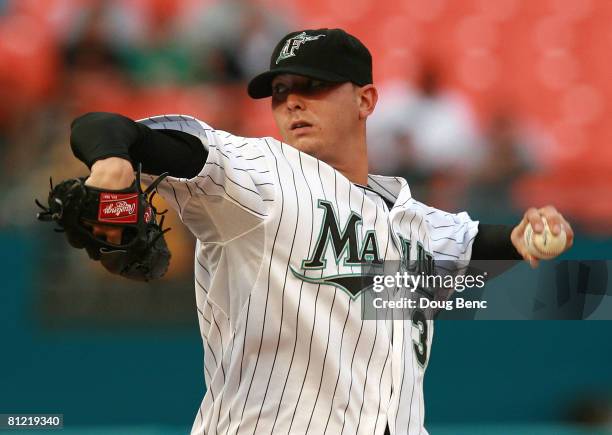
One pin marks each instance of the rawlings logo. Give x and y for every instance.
(118, 208)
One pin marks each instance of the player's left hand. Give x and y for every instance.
(533, 216)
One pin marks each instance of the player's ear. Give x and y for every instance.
(367, 98)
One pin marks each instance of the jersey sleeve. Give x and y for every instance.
(234, 191)
(451, 234)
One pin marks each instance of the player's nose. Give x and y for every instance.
(294, 101)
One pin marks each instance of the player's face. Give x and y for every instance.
(316, 117)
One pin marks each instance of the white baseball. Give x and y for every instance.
(544, 245)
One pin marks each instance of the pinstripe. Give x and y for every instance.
(338, 208)
(324, 359)
(349, 210)
(214, 321)
(223, 153)
(373, 344)
(283, 295)
(175, 198)
(229, 410)
(212, 394)
(340, 358)
(233, 181)
(301, 288)
(351, 383)
(232, 167)
(382, 372)
(268, 289)
(229, 413)
(232, 198)
(446, 254)
(202, 265)
(212, 352)
(443, 226)
(220, 364)
(220, 407)
(404, 339)
(201, 286)
(411, 346)
(362, 322)
(413, 383)
(202, 314)
(312, 334)
(345, 320)
(405, 202)
(244, 341)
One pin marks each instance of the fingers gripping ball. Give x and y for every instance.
(545, 245)
(142, 253)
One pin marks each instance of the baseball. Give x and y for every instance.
(544, 245)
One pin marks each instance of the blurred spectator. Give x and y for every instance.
(89, 48)
(138, 38)
(232, 39)
(159, 57)
(506, 146)
(424, 131)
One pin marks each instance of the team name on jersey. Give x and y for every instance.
(347, 248)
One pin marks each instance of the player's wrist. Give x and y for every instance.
(111, 173)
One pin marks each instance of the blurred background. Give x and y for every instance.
(485, 106)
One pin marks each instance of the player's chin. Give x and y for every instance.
(308, 144)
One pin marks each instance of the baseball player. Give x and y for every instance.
(283, 229)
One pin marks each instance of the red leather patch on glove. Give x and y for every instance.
(148, 214)
(119, 208)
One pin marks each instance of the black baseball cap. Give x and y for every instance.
(324, 54)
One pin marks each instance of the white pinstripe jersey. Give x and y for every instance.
(286, 351)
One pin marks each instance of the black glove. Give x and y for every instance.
(142, 255)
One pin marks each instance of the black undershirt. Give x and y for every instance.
(100, 135)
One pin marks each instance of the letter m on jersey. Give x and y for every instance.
(343, 242)
(345, 246)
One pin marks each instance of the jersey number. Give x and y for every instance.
(420, 346)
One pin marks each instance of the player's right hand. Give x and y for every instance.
(534, 217)
(113, 173)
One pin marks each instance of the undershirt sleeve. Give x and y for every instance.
(493, 243)
(99, 135)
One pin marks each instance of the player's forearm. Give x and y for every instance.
(111, 173)
(493, 242)
(98, 136)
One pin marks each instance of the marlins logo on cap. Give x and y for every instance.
(293, 44)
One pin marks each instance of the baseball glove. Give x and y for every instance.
(142, 255)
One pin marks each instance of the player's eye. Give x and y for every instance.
(317, 85)
(279, 89)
